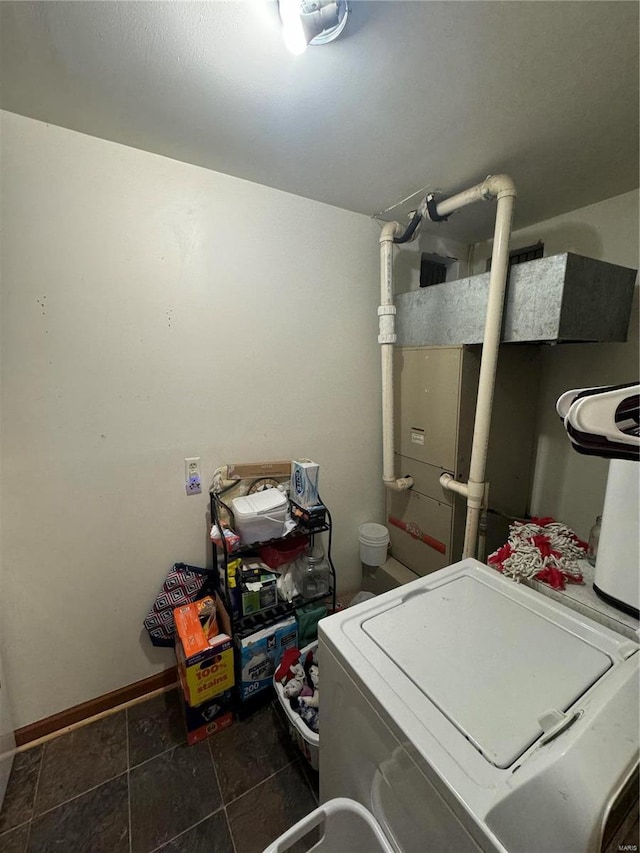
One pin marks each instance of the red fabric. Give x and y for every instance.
(556, 578)
(280, 553)
(289, 658)
(541, 522)
(500, 556)
(552, 576)
(547, 519)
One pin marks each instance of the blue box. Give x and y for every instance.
(260, 654)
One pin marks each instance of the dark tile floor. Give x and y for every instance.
(129, 784)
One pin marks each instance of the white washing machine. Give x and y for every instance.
(469, 713)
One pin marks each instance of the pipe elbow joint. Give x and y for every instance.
(389, 231)
(402, 484)
(499, 186)
(446, 479)
(449, 482)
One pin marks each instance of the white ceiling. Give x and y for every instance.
(412, 94)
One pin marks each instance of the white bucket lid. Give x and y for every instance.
(373, 534)
(260, 503)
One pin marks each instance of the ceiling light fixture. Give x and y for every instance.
(311, 22)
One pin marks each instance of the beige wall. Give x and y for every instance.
(154, 310)
(566, 485)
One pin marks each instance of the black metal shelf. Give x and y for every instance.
(255, 546)
(226, 555)
(245, 625)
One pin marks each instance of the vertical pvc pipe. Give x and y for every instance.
(386, 339)
(488, 364)
(388, 472)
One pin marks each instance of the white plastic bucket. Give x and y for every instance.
(374, 541)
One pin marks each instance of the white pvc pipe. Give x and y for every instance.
(447, 481)
(495, 186)
(386, 339)
(488, 364)
(502, 188)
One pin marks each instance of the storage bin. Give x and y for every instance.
(307, 740)
(261, 516)
(374, 542)
(346, 826)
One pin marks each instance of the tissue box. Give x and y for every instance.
(205, 665)
(308, 517)
(304, 482)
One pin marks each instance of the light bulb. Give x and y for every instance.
(292, 30)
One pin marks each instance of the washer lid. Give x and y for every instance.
(491, 664)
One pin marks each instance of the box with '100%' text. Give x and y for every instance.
(204, 656)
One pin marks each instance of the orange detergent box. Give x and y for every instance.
(204, 649)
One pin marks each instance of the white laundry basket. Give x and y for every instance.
(348, 828)
(307, 740)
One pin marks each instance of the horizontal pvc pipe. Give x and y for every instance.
(451, 484)
(495, 186)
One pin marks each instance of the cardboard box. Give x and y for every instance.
(258, 470)
(212, 716)
(259, 595)
(205, 665)
(308, 517)
(260, 654)
(258, 586)
(304, 482)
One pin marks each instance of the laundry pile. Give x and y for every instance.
(300, 681)
(543, 549)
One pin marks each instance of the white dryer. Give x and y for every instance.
(471, 713)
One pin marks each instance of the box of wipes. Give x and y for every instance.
(304, 482)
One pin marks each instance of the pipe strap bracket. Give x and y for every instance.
(432, 209)
(386, 309)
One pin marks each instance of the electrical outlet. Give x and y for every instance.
(193, 483)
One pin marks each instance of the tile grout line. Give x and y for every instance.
(202, 820)
(17, 826)
(305, 765)
(126, 722)
(77, 796)
(215, 771)
(35, 793)
(224, 806)
(164, 751)
(233, 841)
(35, 797)
(184, 831)
(266, 779)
